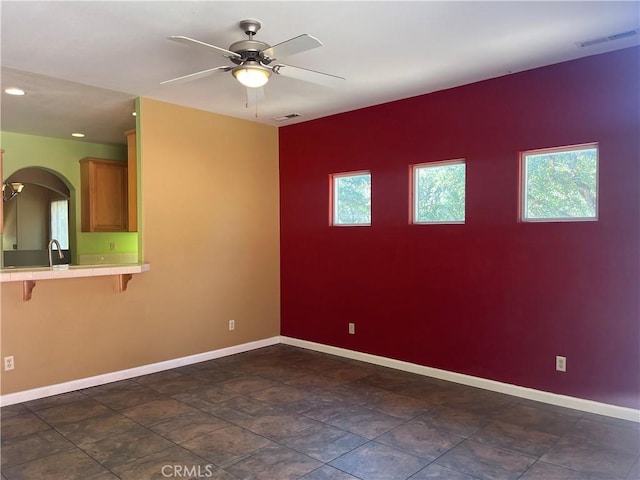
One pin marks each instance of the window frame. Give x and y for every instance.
(522, 188)
(413, 181)
(332, 198)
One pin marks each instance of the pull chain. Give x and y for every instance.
(246, 103)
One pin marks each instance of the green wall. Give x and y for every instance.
(62, 156)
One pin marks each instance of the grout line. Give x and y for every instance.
(244, 368)
(591, 406)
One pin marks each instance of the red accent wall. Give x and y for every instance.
(494, 298)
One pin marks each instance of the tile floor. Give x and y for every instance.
(282, 413)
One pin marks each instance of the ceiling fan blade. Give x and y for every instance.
(196, 75)
(308, 75)
(198, 43)
(298, 44)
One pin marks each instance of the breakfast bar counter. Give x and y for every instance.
(29, 275)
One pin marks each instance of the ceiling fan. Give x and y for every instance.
(256, 61)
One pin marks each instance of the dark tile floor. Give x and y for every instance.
(282, 413)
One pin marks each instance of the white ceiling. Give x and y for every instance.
(82, 63)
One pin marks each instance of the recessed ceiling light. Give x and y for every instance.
(133, 113)
(14, 91)
(77, 135)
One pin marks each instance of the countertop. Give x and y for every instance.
(69, 271)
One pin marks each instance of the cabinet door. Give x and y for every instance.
(110, 206)
(104, 196)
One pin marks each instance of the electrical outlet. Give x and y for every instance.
(112, 246)
(9, 364)
(561, 363)
(232, 324)
(352, 328)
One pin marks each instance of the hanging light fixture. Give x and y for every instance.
(10, 190)
(251, 74)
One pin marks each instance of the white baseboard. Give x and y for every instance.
(41, 392)
(515, 390)
(509, 389)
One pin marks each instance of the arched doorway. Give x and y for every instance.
(36, 210)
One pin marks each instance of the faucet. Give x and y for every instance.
(50, 248)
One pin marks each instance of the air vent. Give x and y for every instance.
(610, 38)
(618, 36)
(287, 117)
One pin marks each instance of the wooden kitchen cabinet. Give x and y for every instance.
(103, 195)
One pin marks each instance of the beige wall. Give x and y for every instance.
(209, 197)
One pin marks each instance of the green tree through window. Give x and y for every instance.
(352, 199)
(439, 192)
(560, 184)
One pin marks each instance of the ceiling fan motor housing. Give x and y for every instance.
(249, 50)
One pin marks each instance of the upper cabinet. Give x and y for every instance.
(104, 195)
(132, 180)
(109, 191)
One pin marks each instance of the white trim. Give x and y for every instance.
(506, 388)
(41, 392)
(509, 389)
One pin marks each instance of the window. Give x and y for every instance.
(560, 184)
(351, 198)
(60, 222)
(438, 192)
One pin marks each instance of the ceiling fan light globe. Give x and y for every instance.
(252, 77)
